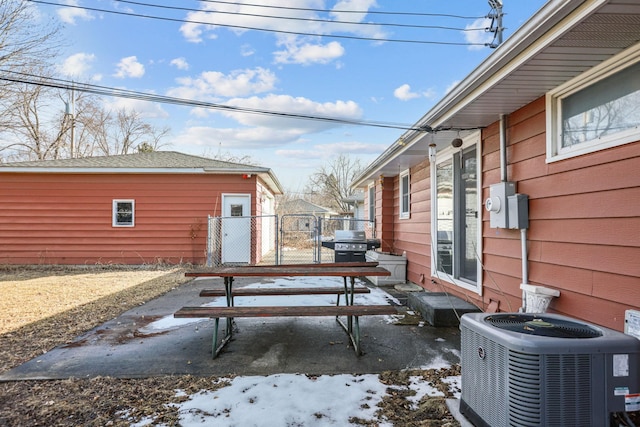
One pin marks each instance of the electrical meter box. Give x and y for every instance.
(518, 215)
(497, 203)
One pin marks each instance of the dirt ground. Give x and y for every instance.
(43, 307)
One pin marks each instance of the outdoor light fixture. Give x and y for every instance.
(432, 152)
(457, 142)
(381, 181)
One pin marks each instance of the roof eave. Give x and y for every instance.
(524, 43)
(265, 174)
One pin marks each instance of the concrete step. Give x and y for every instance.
(440, 308)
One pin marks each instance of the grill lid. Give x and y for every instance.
(350, 236)
(542, 326)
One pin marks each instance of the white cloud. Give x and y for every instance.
(241, 15)
(129, 67)
(266, 131)
(211, 84)
(147, 110)
(350, 5)
(308, 53)
(77, 65)
(246, 50)
(192, 32)
(347, 110)
(478, 36)
(180, 63)
(326, 151)
(404, 93)
(69, 15)
(237, 138)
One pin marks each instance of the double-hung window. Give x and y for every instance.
(457, 223)
(597, 110)
(405, 195)
(123, 213)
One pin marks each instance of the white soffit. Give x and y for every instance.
(564, 39)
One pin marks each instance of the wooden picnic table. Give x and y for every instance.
(345, 270)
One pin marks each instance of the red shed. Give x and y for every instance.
(129, 209)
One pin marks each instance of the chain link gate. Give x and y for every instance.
(273, 240)
(298, 239)
(242, 240)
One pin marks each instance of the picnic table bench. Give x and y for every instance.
(345, 270)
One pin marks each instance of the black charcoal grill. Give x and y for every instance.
(350, 245)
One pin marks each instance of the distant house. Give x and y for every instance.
(356, 205)
(554, 110)
(299, 215)
(303, 207)
(130, 209)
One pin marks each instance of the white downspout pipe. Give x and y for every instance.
(523, 231)
(503, 148)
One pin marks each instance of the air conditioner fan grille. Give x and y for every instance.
(540, 325)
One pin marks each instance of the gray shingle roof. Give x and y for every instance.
(303, 206)
(155, 160)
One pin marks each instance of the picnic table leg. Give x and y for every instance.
(215, 347)
(228, 285)
(352, 327)
(356, 336)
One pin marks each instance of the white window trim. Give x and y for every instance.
(442, 156)
(371, 206)
(405, 214)
(114, 213)
(554, 98)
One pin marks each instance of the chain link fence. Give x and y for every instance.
(273, 240)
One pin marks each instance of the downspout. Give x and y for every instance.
(503, 148)
(523, 231)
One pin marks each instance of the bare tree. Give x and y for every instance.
(126, 132)
(25, 41)
(227, 156)
(41, 129)
(331, 183)
(92, 123)
(23, 38)
(35, 132)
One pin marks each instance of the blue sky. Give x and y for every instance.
(347, 78)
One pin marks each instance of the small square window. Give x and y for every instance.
(405, 204)
(123, 214)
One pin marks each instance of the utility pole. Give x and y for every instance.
(70, 111)
(496, 23)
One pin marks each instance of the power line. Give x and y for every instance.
(377, 12)
(54, 83)
(242, 27)
(294, 18)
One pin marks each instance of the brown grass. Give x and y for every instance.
(46, 294)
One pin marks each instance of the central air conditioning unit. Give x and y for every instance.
(522, 369)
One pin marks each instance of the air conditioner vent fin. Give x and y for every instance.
(524, 388)
(540, 325)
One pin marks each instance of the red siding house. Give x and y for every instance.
(548, 126)
(131, 209)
